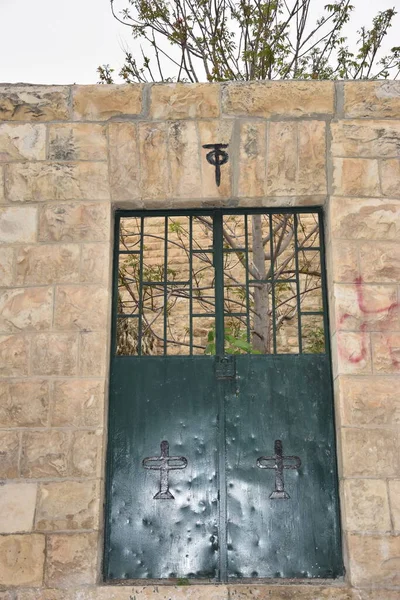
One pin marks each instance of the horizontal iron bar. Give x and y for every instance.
(128, 251)
(256, 281)
(312, 312)
(203, 315)
(127, 316)
(310, 248)
(208, 251)
(165, 283)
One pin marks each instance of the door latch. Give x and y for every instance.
(225, 367)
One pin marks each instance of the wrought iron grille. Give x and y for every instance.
(219, 282)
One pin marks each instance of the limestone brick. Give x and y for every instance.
(77, 403)
(9, 454)
(77, 141)
(124, 161)
(18, 225)
(22, 560)
(93, 354)
(17, 507)
(26, 309)
(22, 142)
(71, 559)
(103, 102)
(380, 406)
(355, 177)
(252, 159)
(267, 99)
(95, 263)
(2, 196)
(184, 159)
(345, 261)
(33, 103)
(6, 265)
(377, 99)
(370, 452)
(184, 101)
(86, 453)
(353, 352)
(394, 495)
(364, 218)
(210, 132)
(14, 356)
(54, 354)
(45, 264)
(374, 560)
(74, 221)
(67, 505)
(45, 454)
(362, 307)
(386, 353)
(366, 139)
(380, 262)
(390, 177)
(24, 403)
(39, 182)
(367, 506)
(311, 178)
(82, 307)
(154, 176)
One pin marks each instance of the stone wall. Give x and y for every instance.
(68, 156)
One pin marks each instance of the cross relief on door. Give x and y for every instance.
(221, 454)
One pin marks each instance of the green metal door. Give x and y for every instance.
(221, 455)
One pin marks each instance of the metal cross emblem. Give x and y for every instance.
(217, 157)
(164, 463)
(279, 464)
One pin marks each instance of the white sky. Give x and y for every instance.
(64, 41)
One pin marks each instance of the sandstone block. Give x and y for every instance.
(17, 507)
(22, 560)
(95, 263)
(184, 101)
(24, 403)
(22, 142)
(380, 262)
(77, 403)
(33, 103)
(102, 102)
(386, 353)
(93, 354)
(86, 453)
(18, 225)
(14, 356)
(252, 159)
(364, 218)
(154, 176)
(311, 177)
(372, 99)
(2, 197)
(6, 265)
(394, 494)
(77, 141)
(374, 560)
(45, 264)
(74, 222)
(367, 506)
(366, 139)
(45, 454)
(355, 177)
(124, 161)
(80, 307)
(39, 182)
(184, 158)
(380, 406)
(67, 505)
(390, 177)
(54, 354)
(211, 132)
(26, 309)
(344, 261)
(9, 452)
(353, 353)
(266, 99)
(365, 307)
(370, 452)
(71, 559)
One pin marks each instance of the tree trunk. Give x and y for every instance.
(261, 339)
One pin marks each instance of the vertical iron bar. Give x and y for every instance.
(272, 271)
(246, 245)
(116, 257)
(140, 328)
(296, 255)
(191, 284)
(324, 290)
(165, 283)
(219, 283)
